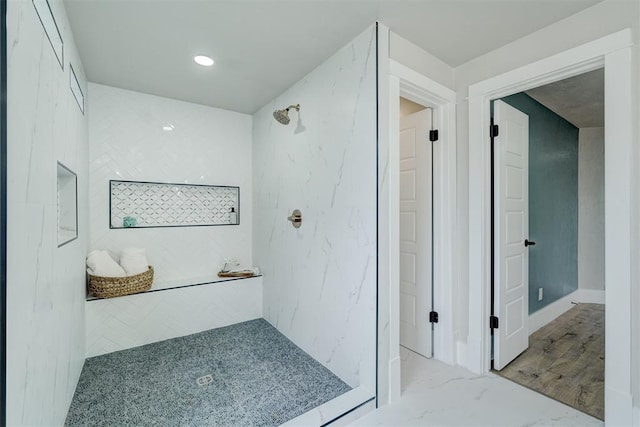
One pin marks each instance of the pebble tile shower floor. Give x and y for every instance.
(260, 378)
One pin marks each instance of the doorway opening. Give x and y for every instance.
(406, 83)
(613, 52)
(548, 240)
(416, 236)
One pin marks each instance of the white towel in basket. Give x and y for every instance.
(134, 261)
(101, 264)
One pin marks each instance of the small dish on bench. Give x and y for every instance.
(243, 273)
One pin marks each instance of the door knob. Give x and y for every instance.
(528, 242)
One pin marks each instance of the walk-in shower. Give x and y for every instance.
(297, 340)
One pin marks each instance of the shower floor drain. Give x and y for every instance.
(207, 379)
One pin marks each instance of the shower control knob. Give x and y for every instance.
(296, 218)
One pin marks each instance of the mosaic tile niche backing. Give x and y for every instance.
(153, 204)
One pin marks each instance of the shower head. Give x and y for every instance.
(282, 116)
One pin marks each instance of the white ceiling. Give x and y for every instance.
(579, 100)
(262, 47)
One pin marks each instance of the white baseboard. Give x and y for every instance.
(591, 296)
(546, 314)
(474, 357)
(395, 379)
(461, 353)
(619, 408)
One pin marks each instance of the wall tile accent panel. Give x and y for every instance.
(205, 146)
(155, 204)
(119, 323)
(320, 279)
(45, 284)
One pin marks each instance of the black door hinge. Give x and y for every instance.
(433, 135)
(493, 322)
(494, 131)
(433, 317)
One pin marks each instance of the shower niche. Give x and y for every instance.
(67, 195)
(135, 204)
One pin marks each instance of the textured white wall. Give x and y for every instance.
(45, 284)
(207, 146)
(320, 279)
(407, 53)
(591, 208)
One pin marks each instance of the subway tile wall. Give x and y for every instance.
(204, 146)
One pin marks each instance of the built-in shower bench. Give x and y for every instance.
(170, 309)
(166, 285)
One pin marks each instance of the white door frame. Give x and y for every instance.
(405, 82)
(613, 52)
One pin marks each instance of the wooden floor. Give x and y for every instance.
(565, 360)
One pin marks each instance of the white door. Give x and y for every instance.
(415, 232)
(511, 228)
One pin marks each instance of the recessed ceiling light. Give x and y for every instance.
(203, 60)
(168, 127)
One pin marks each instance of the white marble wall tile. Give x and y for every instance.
(320, 279)
(130, 321)
(207, 146)
(45, 284)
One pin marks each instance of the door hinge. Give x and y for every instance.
(494, 131)
(493, 322)
(433, 317)
(433, 135)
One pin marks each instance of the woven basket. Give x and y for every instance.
(109, 287)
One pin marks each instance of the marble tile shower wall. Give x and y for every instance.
(45, 284)
(206, 146)
(320, 279)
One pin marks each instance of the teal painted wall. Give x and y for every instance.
(553, 202)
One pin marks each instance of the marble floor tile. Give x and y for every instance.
(437, 394)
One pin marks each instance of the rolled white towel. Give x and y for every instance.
(101, 264)
(134, 261)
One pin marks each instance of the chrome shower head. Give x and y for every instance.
(282, 116)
